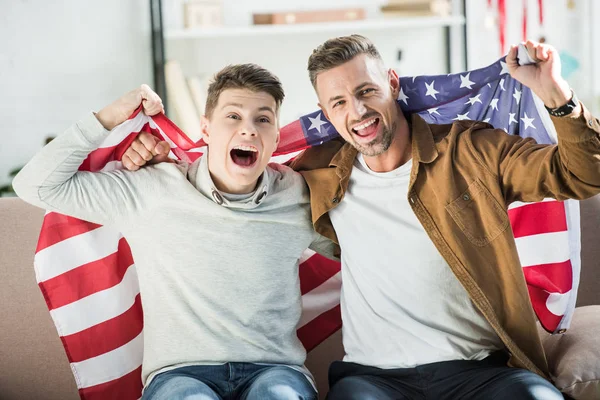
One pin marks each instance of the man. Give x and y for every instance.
(434, 302)
(219, 280)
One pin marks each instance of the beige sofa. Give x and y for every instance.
(33, 364)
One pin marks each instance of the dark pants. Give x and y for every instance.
(487, 379)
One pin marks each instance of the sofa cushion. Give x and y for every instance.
(574, 357)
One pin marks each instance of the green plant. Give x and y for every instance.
(7, 190)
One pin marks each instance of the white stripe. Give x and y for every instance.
(308, 253)
(321, 299)
(544, 248)
(284, 158)
(112, 165)
(197, 150)
(75, 251)
(120, 132)
(153, 125)
(98, 307)
(557, 303)
(110, 366)
(518, 204)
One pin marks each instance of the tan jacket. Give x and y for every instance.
(463, 178)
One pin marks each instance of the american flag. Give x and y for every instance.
(87, 274)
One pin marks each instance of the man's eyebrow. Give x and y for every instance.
(357, 89)
(334, 98)
(361, 86)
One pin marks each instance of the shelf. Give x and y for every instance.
(355, 26)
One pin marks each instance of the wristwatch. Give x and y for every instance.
(566, 109)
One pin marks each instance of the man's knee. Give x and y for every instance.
(281, 383)
(359, 388)
(525, 385)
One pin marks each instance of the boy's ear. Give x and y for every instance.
(204, 124)
(278, 138)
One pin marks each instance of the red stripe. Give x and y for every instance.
(106, 336)
(89, 278)
(98, 158)
(57, 227)
(548, 320)
(554, 278)
(320, 328)
(127, 387)
(315, 271)
(538, 218)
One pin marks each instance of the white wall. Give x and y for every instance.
(62, 58)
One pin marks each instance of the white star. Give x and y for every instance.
(414, 77)
(460, 117)
(316, 123)
(473, 100)
(511, 118)
(504, 68)
(494, 104)
(517, 95)
(465, 82)
(431, 90)
(486, 120)
(402, 96)
(434, 111)
(489, 85)
(528, 122)
(502, 84)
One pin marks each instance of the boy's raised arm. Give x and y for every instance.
(51, 180)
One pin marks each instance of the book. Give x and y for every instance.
(306, 17)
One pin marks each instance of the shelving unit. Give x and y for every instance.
(363, 26)
(449, 45)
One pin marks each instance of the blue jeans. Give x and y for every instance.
(243, 381)
(488, 379)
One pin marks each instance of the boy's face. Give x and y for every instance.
(242, 133)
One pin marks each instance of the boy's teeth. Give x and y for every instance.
(245, 148)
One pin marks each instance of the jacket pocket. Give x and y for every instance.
(478, 214)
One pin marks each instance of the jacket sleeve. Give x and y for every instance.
(51, 180)
(531, 172)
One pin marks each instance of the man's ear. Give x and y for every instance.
(394, 82)
(204, 124)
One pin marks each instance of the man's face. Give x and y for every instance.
(359, 99)
(242, 133)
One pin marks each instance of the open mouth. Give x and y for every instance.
(244, 156)
(367, 129)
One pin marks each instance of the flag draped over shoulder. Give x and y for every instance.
(87, 274)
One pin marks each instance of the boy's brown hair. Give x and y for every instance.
(243, 76)
(337, 51)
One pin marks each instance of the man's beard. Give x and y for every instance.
(379, 145)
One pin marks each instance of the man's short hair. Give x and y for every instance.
(243, 76)
(337, 51)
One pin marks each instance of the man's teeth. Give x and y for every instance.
(245, 148)
(366, 124)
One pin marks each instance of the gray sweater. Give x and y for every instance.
(218, 282)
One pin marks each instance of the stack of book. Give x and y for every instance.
(409, 8)
(306, 17)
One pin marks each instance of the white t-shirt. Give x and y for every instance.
(401, 304)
